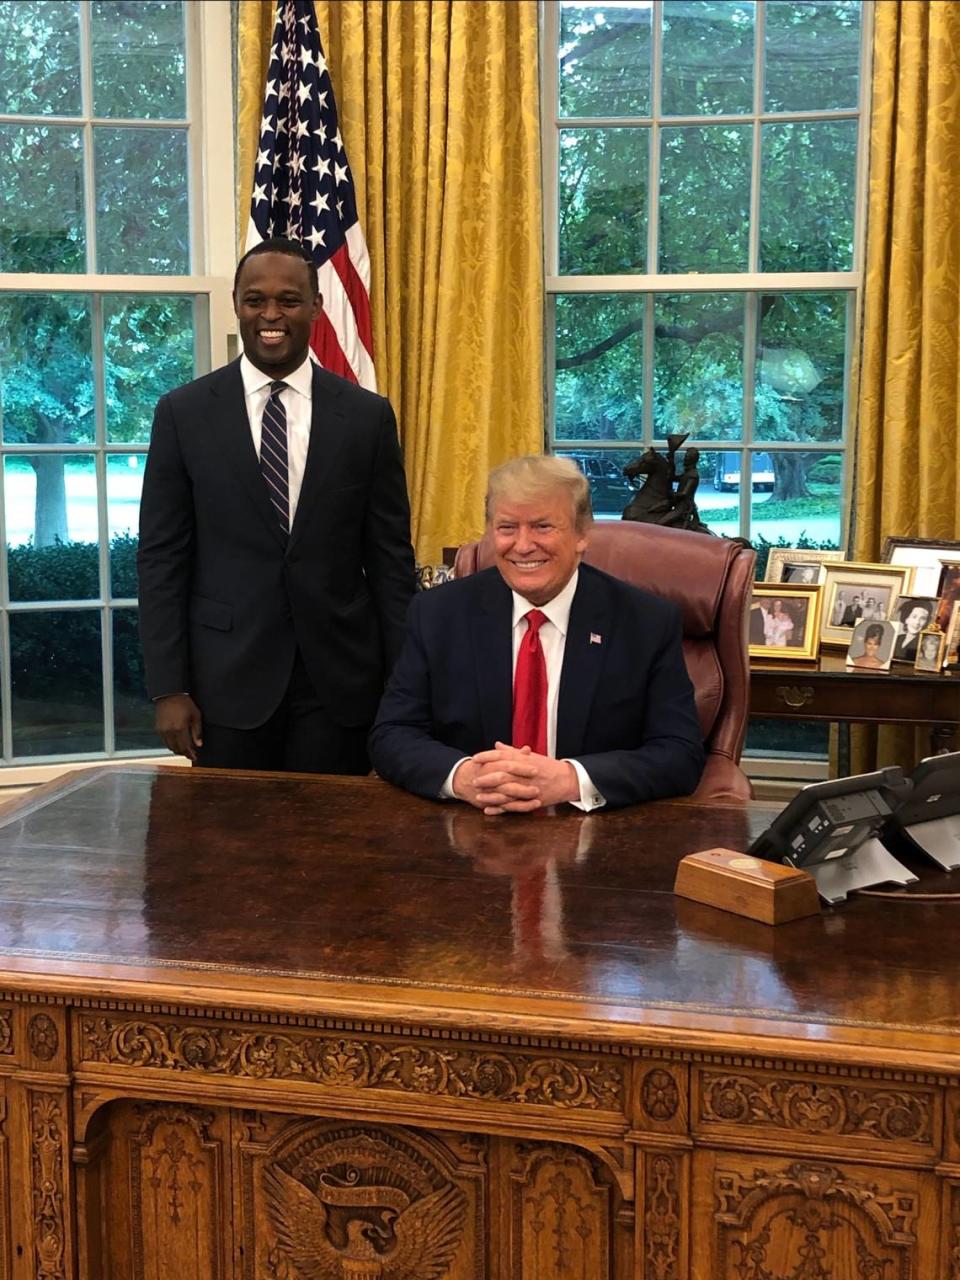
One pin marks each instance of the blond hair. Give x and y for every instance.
(526, 479)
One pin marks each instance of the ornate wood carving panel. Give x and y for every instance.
(562, 1216)
(49, 1187)
(662, 1097)
(323, 1199)
(484, 1074)
(664, 1220)
(816, 1109)
(786, 1220)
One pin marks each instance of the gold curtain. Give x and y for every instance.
(907, 480)
(439, 110)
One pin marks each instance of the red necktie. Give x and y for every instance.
(530, 688)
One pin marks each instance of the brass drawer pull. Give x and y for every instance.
(793, 696)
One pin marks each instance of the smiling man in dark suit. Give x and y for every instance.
(275, 561)
(542, 680)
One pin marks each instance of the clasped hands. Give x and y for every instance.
(514, 780)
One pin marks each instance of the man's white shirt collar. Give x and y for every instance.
(255, 379)
(556, 610)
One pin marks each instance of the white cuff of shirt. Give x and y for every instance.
(446, 791)
(590, 797)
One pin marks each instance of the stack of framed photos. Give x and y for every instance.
(904, 610)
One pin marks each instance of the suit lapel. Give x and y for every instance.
(327, 424)
(588, 635)
(493, 657)
(231, 430)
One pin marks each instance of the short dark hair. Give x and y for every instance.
(277, 244)
(873, 632)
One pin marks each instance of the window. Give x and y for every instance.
(702, 162)
(103, 307)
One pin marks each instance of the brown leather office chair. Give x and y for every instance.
(710, 579)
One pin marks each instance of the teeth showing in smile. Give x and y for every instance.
(271, 335)
(528, 564)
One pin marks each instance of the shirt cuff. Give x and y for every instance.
(446, 791)
(590, 797)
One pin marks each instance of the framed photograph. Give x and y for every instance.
(930, 651)
(924, 555)
(951, 648)
(871, 646)
(912, 615)
(784, 620)
(948, 591)
(781, 557)
(859, 592)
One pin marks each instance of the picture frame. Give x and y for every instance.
(784, 621)
(871, 645)
(848, 586)
(912, 615)
(930, 652)
(779, 557)
(951, 648)
(924, 555)
(948, 591)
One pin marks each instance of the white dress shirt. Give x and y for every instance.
(553, 639)
(297, 400)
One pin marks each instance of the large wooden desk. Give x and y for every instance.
(278, 1029)
(829, 690)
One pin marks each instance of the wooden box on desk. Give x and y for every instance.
(732, 881)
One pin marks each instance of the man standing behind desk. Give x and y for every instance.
(275, 560)
(581, 672)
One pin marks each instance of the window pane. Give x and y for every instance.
(807, 187)
(705, 198)
(698, 366)
(50, 504)
(41, 199)
(148, 350)
(610, 490)
(149, 233)
(800, 367)
(138, 59)
(707, 57)
(57, 682)
(605, 59)
(46, 372)
(718, 494)
(812, 55)
(39, 57)
(797, 498)
(599, 367)
(124, 484)
(133, 712)
(603, 200)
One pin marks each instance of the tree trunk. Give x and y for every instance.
(50, 519)
(789, 477)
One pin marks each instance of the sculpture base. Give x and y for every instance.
(731, 881)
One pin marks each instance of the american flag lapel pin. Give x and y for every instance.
(596, 637)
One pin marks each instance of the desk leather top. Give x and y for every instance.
(320, 889)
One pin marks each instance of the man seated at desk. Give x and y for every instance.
(582, 673)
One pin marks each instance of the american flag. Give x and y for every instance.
(302, 189)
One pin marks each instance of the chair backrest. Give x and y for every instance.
(710, 579)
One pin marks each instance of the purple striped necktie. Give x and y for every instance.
(273, 454)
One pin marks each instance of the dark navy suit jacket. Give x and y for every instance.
(625, 706)
(227, 598)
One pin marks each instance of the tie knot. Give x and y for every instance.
(535, 620)
(276, 388)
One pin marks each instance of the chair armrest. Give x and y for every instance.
(723, 780)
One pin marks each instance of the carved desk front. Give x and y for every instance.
(261, 1027)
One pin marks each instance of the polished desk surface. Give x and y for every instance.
(312, 894)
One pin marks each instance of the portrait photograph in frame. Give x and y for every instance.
(852, 589)
(871, 646)
(951, 649)
(948, 591)
(930, 652)
(911, 615)
(780, 557)
(784, 621)
(925, 555)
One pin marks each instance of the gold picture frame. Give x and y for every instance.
(930, 652)
(849, 581)
(779, 557)
(793, 631)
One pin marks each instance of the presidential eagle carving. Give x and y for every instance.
(358, 1220)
